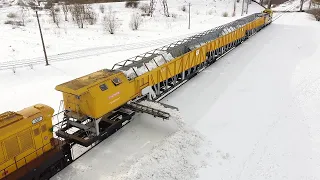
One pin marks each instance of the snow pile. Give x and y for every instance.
(170, 159)
(176, 157)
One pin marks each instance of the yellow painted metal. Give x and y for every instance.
(97, 93)
(24, 136)
(85, 96)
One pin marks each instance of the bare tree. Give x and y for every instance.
(315, 12)
(310, 2)
(152, 7)
(65, 10)
(78, 14)
(247, 6)
(23, 13)
(109, 21)
(101, 7)
(50, 6)
(57, 19)
(90, 15)
(269, 4)
(301, 5)
(136, 21)
(234, 8)
(53, 13)
(145, 8)
(165, 8)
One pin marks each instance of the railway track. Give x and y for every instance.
(8, 65)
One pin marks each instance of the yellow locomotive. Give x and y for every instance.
(100, 103)
(24, 136)
(27, 141)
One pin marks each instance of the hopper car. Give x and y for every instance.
(96, 105)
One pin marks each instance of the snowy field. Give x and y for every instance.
(252, 115)
(24, 42)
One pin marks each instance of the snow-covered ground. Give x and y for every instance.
(24, 42)
(255, 116)
(44, 79)
(252, 115)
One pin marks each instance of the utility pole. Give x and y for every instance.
(43, 46)
(189, 15)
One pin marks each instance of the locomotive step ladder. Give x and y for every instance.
(148, 110)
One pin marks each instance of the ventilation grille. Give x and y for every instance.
(12, 147)
(26, 141)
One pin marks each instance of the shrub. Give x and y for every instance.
(210, 12)
(12, 15)
(315, 13)
(110, 23)
(225, 14)
(145, 8)
(17, 23)
(184, 8)
(101, 7)
(90, 16)
(136, 21)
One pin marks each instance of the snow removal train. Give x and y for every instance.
(97, 105)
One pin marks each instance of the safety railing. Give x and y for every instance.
(24, 161)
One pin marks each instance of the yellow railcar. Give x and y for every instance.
(97, 93)
(25, 135)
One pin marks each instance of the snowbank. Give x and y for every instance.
(179, 156)
(170, 159)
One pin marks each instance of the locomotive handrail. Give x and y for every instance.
(4, 171)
